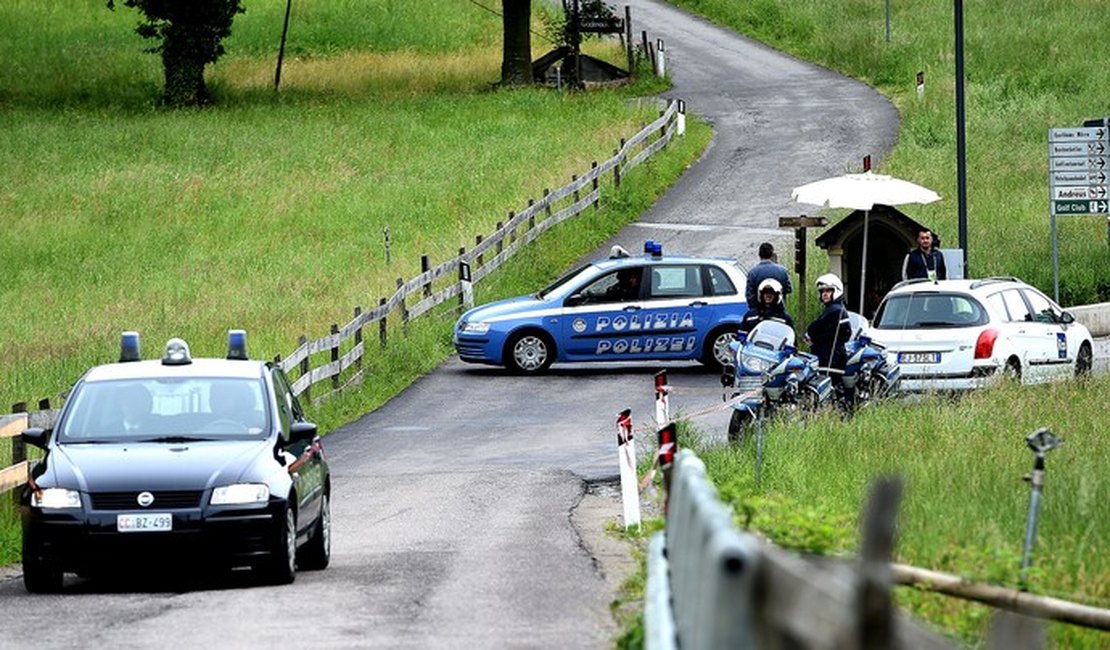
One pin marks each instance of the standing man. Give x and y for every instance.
(925, 261)
(767, 268)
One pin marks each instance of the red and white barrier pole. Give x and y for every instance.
(662, 403)
(626, 457)
(668, 447)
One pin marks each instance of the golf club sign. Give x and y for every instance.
(1078, 165)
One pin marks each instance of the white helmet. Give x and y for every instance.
(830, 281)
(772, 285)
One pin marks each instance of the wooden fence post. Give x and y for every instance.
(358, 340)
(531, 216)
(19, 449)
(404, 309)
(501, 238)
(616, 170)
(875, 623)
(628, 39)
(335, 354)
(597, 201)
(382, 325)
(574, 179)
(305, 370)
(478, 242)
(547, 205)
(644, 35)
(425, 266)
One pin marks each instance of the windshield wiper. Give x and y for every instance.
(175, 439)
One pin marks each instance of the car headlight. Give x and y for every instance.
(55, 498)
(474, 327)
(240, 493)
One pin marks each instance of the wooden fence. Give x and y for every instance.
(336, 359)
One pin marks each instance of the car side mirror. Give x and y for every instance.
(574, 300)
(36, 436)
(302, 432)
(1067, 318)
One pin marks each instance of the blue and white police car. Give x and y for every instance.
(624, 308)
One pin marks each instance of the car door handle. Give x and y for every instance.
(632, 308)
(698, 303)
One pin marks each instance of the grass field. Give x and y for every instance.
(1029, 66)
(965, 505)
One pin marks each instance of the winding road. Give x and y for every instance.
(453, 502)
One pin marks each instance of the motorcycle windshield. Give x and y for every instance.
(771, 335)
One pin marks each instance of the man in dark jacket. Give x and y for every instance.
(828, 333)
(766, 268)
(770, 306)
(925, 261)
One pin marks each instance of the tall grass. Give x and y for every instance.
(965, 503)
(1030, 65)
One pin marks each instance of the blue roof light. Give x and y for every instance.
(237, 345)
(653, 248)
(129, 347)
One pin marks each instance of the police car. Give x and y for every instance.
(964, 334)
(653, 307)
(177, 461)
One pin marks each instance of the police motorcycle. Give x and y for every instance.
(769, 376)
(868, 376)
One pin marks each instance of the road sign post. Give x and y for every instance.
(1078, 166)
(799, 224)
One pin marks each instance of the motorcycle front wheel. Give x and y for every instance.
(738, 425)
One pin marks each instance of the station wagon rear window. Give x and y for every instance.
(930, 311)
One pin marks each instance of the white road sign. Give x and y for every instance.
(1079, 178)
(1065, 135)
(1079, 193)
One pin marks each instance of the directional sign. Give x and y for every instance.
(1078, 166)
(1079, 178)
(1066, 135)
(1079, 207)
(1079, 192)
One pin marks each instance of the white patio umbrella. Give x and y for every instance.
(862, 192)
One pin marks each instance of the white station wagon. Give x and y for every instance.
(963, 334)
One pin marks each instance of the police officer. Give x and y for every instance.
(828, 333)
(770, 306)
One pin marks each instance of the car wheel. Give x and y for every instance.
(529, 353)
(1083, 362)
(1012, 370)
(282, 567)
(715, 355)
(738, 425)
(316, 554)
(40, 577)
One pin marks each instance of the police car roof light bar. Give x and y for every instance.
(177, 353)
(653, 248)
(129, 347)
(237, 345)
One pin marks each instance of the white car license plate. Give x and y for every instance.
(919, 357)
(153, 522)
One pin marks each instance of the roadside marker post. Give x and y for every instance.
(662, 403)
(661, 55)
(668, 447)
(681, 130)
(626, 458)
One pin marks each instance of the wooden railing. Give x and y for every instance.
(345, 346)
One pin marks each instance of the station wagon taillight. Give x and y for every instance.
(984, 346)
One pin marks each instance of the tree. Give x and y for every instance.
(190, 34)
(516, 59)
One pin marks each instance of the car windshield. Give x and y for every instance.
(165, 410)
(909, 311)
(566, 277)
(771, 335)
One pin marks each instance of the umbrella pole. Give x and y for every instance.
(863, 264)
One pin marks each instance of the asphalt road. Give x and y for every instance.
(453, 502)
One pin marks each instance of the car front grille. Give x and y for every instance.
(471, 350)
(129, 500)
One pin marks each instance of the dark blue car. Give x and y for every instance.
(156, 464)
(652, 307)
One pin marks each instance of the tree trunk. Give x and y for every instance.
(184, 69)
(516, 61)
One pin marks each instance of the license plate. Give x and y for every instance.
(153, 522)
(919, 357)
